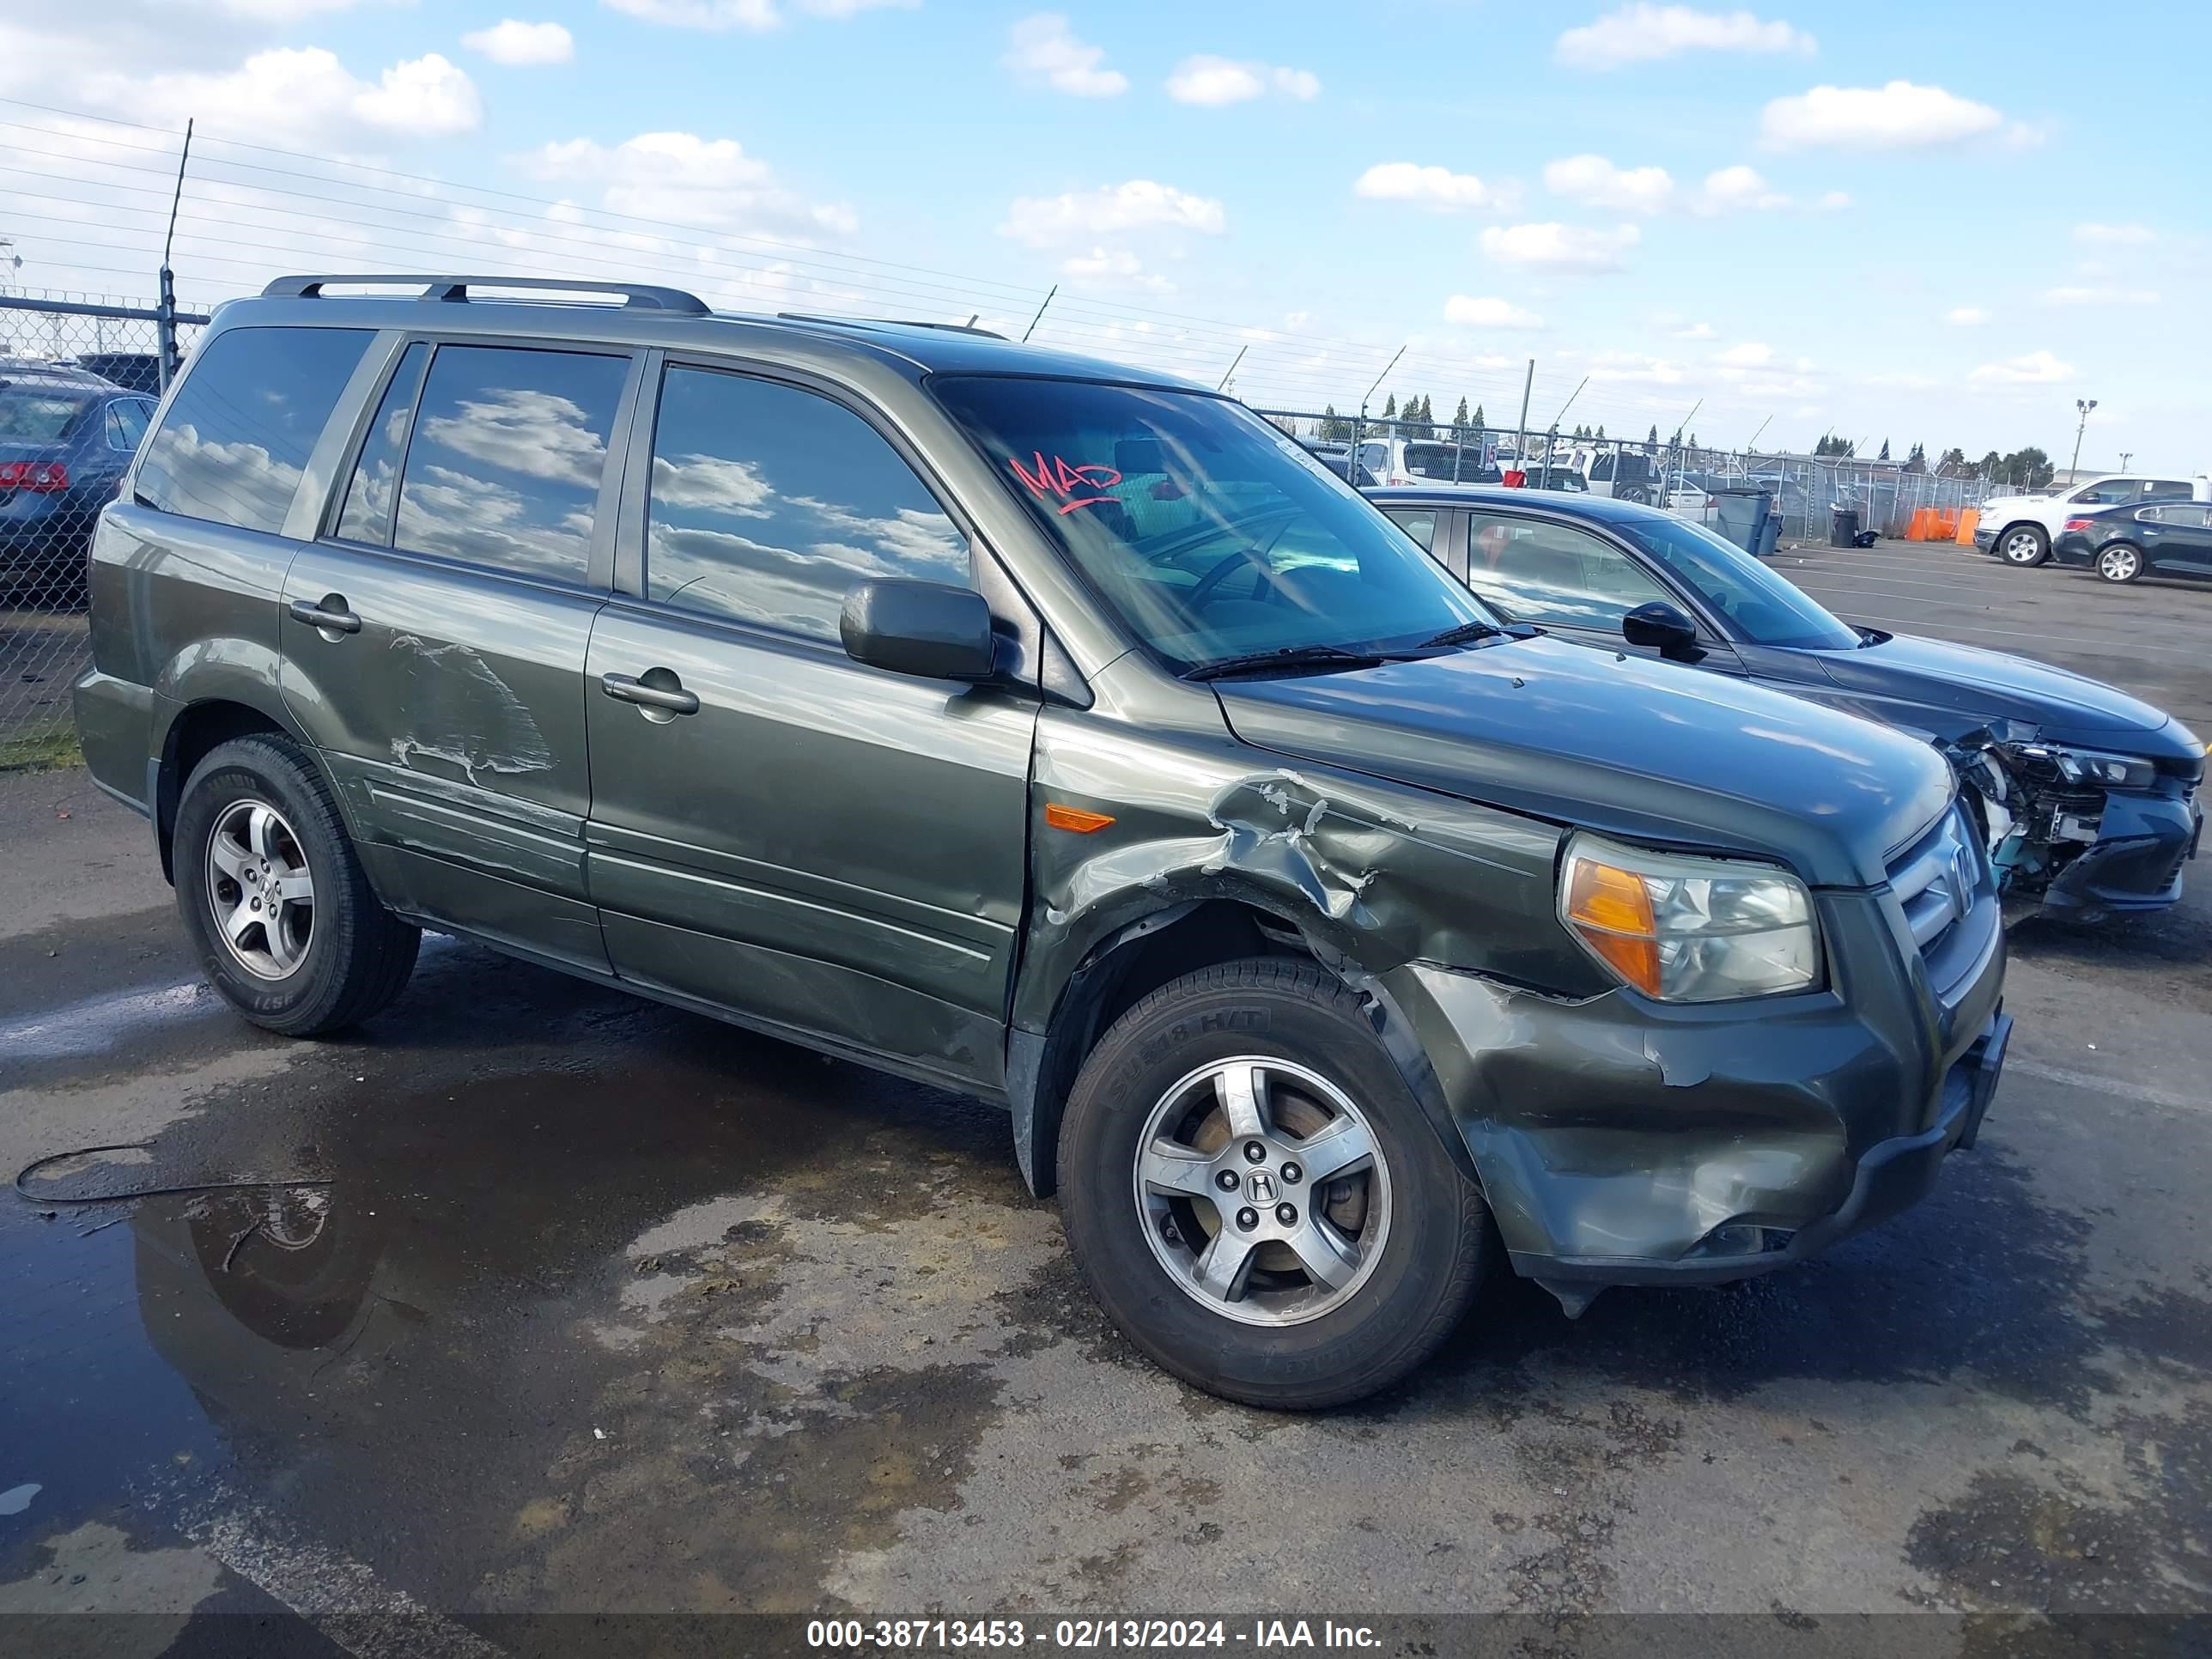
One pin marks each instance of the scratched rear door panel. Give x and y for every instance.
(451, 715)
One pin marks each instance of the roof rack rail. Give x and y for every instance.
(886, 322)
(636, 295)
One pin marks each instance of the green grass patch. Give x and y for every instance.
(45, 752)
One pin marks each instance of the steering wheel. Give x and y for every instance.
(1222, 571)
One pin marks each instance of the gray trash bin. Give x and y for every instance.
(1843, 526)
(1770, 536)
(1743, 515)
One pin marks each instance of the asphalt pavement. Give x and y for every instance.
(596, 1308)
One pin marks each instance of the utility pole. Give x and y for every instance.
(1233, 362)
(2126, 455)
(2084, 406)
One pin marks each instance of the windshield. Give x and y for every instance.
(1210, 533)
(36, 414)
(1766, 609)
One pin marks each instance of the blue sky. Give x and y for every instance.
(1902, 222)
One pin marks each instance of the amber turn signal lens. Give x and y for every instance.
(1611, 910)
(1074, 818)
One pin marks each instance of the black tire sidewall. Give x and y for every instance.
(1391, 1323)
(262, 770)
(2042, 545)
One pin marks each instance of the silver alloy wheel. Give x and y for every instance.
(2118, 564)
(2021, 547)
(1262, 1190)
(259, 889)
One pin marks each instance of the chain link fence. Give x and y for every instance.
(1804, 488)
(79, 380)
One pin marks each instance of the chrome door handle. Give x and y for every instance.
(328, 613)
(627, 688)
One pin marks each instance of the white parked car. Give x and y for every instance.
(1425, 461)
(2019, 529)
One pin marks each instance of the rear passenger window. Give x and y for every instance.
(1421, 527)
(126, 423)
(368, 513)
(508, 451)
(769, 504)
(238, 432)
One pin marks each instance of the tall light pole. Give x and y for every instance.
(2085, 407)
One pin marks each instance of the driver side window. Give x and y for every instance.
(1554, 576)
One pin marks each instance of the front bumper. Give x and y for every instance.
(1985, 537)
(2144, 843)
(1621, 1141)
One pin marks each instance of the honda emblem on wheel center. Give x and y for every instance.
(1259, 1187)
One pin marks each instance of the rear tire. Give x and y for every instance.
(1214, 1286)
(287, 927)
(2027, 545)
(2120, 562)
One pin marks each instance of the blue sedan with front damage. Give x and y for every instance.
(2086, 796)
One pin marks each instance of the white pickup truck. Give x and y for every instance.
(2019, 529)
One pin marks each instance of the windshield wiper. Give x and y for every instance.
(1465, 633)
(1285, 656)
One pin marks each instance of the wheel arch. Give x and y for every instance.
(1134, 956)
(194, 731)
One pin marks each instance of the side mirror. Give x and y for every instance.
(1660, 627)
(932, 630)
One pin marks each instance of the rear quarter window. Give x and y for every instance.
(235, 441)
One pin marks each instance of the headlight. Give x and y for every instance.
(1689, 929)
(2080, 766)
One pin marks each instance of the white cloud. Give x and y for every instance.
(1489, 313)
(1559, 247)
(2115, 235)
(1695, 332)
(1137, 204)
(281, 11)
(1595, 181)
(2036, 368)
(511, 41)
(1044, 53)
(683, 179)
(1635, 367)
(1113, 268)
(716, 15)
(301, 95)
(1738, 189)
(1205, 79)
(1898, 116)
(1835, 200)
(757, 15)
(1639, 34)
(1430, 186)
(2100, 296)
(1750, 355)
(1965, 316)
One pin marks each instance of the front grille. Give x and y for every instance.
(1936, 878)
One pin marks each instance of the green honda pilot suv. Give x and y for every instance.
(1054, 731)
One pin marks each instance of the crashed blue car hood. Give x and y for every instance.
(1985, 686)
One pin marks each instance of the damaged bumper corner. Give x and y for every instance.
(2143, 844)
(1624, 1142)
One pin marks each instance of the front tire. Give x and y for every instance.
(287, 927)
(2120, 562)
(1351, 1243)
(2024, 544)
